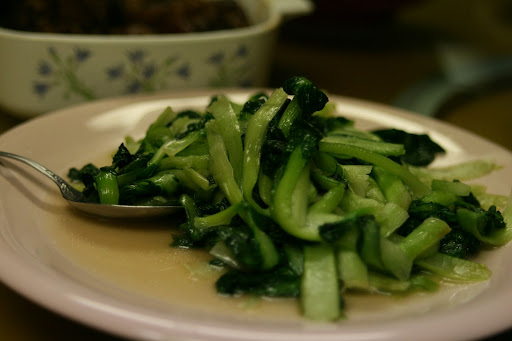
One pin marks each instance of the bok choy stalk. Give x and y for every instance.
(294, 202)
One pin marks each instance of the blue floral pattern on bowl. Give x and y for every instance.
(142, 74)
(231, 68)
(59, 72)
(136, 71)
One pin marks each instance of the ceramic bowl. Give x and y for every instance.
(42, 72)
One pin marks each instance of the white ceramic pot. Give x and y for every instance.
(41, 72)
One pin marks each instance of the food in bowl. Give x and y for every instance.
(122, 16)
(290, 200)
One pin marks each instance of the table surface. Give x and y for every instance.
(389, 62)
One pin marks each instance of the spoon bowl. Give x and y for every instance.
(77, 200)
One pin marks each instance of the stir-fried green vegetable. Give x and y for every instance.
(295, 202)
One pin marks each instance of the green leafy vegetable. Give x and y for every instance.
(294, 202)
(420, 150)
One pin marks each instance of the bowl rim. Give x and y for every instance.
(272, 21)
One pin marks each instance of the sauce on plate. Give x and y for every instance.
(136, 257)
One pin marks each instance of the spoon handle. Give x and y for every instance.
(66, 189)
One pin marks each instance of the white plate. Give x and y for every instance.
(30, 264)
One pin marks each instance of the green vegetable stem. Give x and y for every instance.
(292, 201)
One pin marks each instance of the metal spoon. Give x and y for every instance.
(77, 200)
